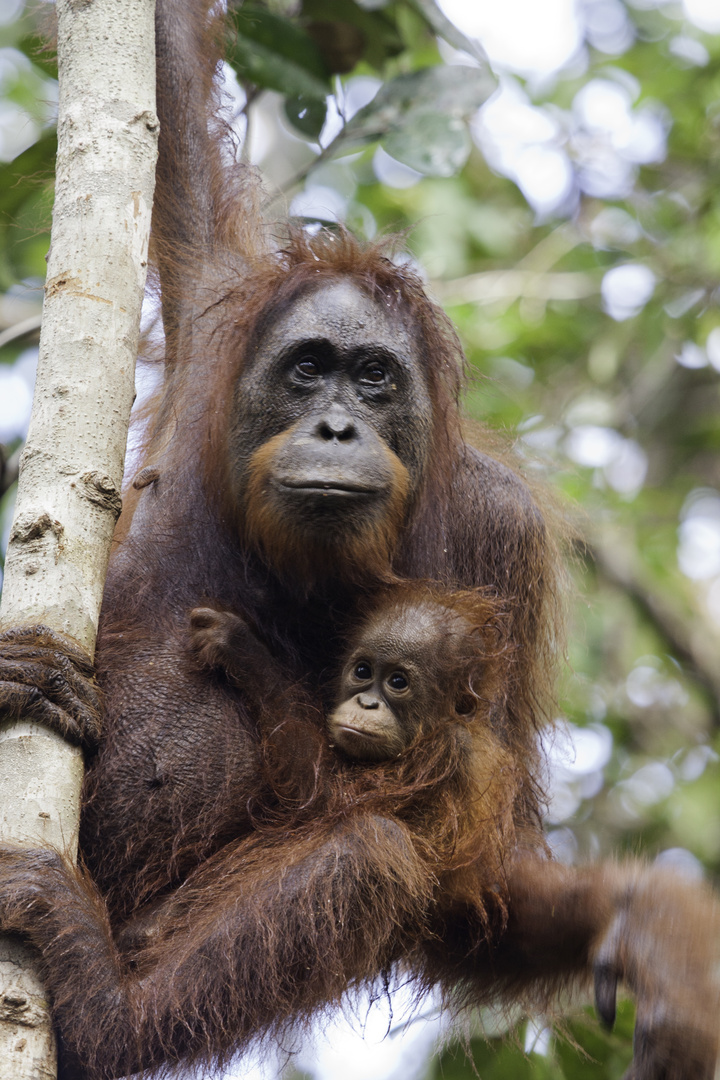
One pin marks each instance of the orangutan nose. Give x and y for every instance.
(368, 701)
(337, 425)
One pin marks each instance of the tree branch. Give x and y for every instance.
(72, 465)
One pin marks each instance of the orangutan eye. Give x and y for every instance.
(374, 374)
(363, 671)
(308, 366)
(397, 681)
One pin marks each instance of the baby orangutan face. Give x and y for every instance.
(378, 714)
(392, 684)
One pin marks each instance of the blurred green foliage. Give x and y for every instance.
(620, 415)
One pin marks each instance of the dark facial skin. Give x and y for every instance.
(338, 383)
(389, 688)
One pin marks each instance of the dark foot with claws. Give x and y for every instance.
(658, 946)
(46, 677)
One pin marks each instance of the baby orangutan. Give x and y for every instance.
(409, 836)
(413, 663)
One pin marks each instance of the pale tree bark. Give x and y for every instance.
(71, 469)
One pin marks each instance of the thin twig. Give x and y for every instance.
(21, 329)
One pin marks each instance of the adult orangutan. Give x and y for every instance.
(305, 452)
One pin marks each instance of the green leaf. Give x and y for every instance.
(281, 37)
(381, 37)
(342, 44)
(21, 178)
(255, 63)
(432, 143)
(276, 54)
(454, 91)
(38, 49)
(286, 8)
(306, 113)
(447, 30)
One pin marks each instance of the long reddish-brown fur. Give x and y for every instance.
(221, 901)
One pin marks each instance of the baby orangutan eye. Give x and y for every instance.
(397, 681)
(363, 671)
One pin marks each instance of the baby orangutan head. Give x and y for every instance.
(420, 659)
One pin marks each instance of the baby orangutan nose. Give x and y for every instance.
(367, 701)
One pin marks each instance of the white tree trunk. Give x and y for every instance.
(71, 469)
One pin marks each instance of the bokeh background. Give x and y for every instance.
(555, 167)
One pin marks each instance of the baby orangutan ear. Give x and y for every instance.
(465, 704)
